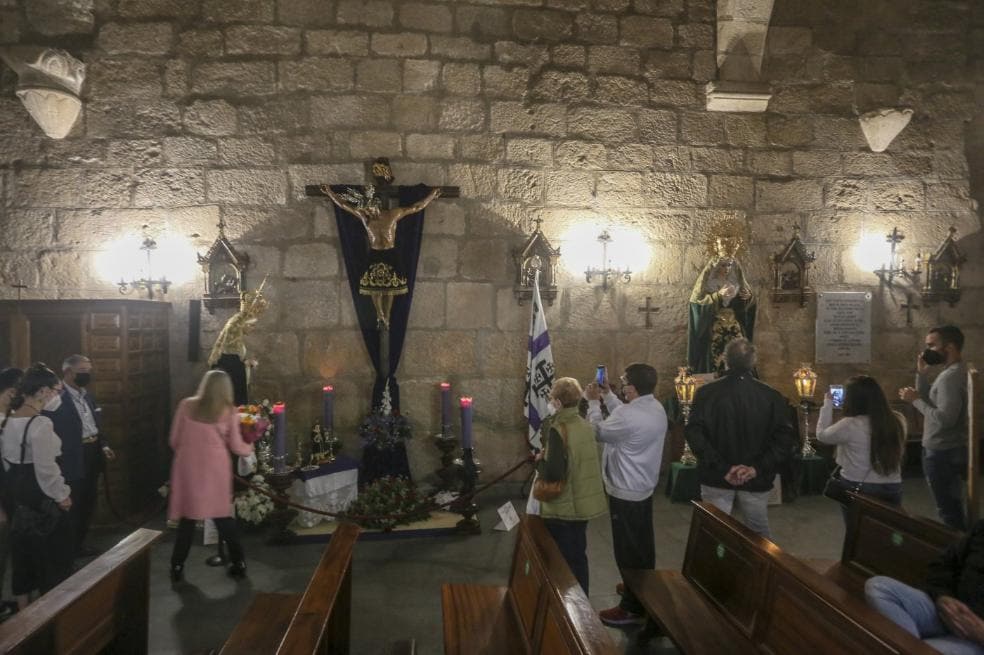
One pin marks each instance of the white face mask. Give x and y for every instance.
(53, 403)
(552, 407)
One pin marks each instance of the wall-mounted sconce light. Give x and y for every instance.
(608, 273)
(148, 282)
(895, 267)
(536, 255)
(942, 280)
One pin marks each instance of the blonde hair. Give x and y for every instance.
(567, 391)
(214, 396)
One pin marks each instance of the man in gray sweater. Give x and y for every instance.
(943, 405)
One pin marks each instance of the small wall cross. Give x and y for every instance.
(649, 311)
(908, 307)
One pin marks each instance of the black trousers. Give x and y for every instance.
(632, 537)
(41, 563)
(228, 532)
(572, 540)
(85, 494)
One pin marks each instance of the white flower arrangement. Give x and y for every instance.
(253, 507)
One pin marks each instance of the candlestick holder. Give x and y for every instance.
(264, 457)
(807, 406)
(281, 517)
(687, 458)
(332, 444)
(446, 442)
(465, 505)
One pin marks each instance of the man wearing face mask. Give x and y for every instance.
(76, 421)
(943, 405)
(633, 436)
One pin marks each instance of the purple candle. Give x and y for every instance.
(466, 422)
(445, 404)
(280, 432)
(328, 407)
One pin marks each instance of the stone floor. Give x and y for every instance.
(397, 581)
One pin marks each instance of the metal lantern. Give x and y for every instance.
(805, 380)
(685, 385)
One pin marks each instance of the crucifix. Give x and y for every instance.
(649, 311)
(908, 307)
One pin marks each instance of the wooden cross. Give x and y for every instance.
(908, 307)
(649, 311)
(382, 178)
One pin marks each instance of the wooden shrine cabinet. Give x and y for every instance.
(127, 341)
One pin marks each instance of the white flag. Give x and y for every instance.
(539, 369)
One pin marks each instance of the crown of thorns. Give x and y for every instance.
(362, 199)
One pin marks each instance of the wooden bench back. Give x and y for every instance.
(101, 608)
(555, 615)
(884, 540)
(322, 621)
(777, 601)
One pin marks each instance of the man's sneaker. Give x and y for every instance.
(618, 617)
(620, 589)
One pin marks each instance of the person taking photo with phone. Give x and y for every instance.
(943, 404)
(870, 440)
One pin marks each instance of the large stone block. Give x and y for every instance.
(67, 273)
(745, 131)
(613, 59)
(770, 162)
(55, 17)
(285, 353)
(311, 260)
(658, 126)
(462, 79)
(645, 32)
(731, 191)
(365, 145)
(329, 112)
(336, 42)
(441, 353)
(717, 160)
(608, 125)
(596, 29)
(246, 186)
(897, 194)
(420, 75)
(438, 259)
(200, 42)
(816, 164)
(430, 146)
(622, 91)
(169, 187)
(136, 38)
(135, 152)
(125, 77)
(620, 188)
(175, 78)
(500, 82)
(378, 75)
(425, 17)
(243, 78)
(266, 224)
(581, 154)
(428, 306)
(674, 93)
(470, 305)
(482, 147)
(658, 65)
(482, 21)
(462, 114)
(335, 353)
(520, 184)
(460, 47)
(696, 35)
(796, 195)
(244, 11)
(275, 115)
(706, 128)
(262, 40)
(133, 118)
(247, 151)
(374, 13)
(505, 353)
(560, 85)
(210, 118)
(850, 193)
(309, 304)
(529, 151)
(415, 112)
(28, 229)
(568, 56)
(570, 188)
(675, 190)
(305, 13)
(407, 44)
(836, 227)
(950, 196)
(542, 25)
(158, 8)
(634, 157)
(510, 52)
(547, 119)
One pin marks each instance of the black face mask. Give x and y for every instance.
(933, 357)
(83, 379)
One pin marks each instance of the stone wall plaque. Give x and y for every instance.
(844, 327)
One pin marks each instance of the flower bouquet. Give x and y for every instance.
(253, 507)
(254, 422)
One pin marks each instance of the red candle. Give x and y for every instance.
(466, 421)
(445, 404)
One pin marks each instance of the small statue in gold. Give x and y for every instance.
(383, 279)
(231, 339)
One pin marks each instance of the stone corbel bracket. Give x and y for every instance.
(742, 28)
(881, 126)
(49, 82)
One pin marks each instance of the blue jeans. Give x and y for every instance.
(888, 492)
(915, 612)
(945, 471)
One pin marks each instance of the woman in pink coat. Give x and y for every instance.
(205, 429)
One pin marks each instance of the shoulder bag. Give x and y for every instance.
(546, 491)
(837, 488)
(35, 514)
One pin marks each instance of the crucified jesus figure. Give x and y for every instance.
(383, 280)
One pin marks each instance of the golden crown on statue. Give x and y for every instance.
(727, 238)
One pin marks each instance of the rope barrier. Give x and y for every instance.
(282, 500)
(140, 519)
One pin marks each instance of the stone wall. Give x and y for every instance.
(579, 112)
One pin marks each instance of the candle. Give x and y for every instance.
(328, 407)
(466, 422)
(280, 433)
(445, 404)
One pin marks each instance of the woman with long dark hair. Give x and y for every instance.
(204, 431)
(32, 479)
(870, 439)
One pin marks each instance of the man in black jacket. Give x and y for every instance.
(741, 432)
(947, 612)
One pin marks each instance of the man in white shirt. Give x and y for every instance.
(633, 436)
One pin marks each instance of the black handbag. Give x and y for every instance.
(34, 513)
(837, 487)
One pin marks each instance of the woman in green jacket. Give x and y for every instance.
(571, 454)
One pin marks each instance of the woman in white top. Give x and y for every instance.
(28, 440)
(870, 439)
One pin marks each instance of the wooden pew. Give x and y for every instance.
(543, 611)
(884, 540)
(740, 593)
(100, 609)
(315, 622)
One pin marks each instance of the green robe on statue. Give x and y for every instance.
(722, 308)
